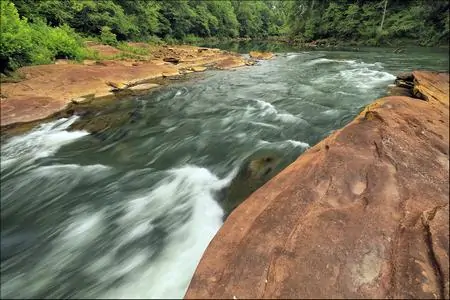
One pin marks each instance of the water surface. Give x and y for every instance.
(128, 212)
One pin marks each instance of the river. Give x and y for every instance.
(128, 212)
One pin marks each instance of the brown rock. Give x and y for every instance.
(254, 172)
(89, 62)
(117, 85)
(198, 69)
(144, 86)
(261, 55)
(407, 76)
(230, 63)
(399, 91)
(404, 84)
(172, 60)
(362, 214)
(79, 100)
(170, 74)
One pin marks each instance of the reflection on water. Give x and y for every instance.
(127, 211)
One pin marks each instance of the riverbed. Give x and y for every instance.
(127, 212)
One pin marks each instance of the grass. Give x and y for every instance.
(132, 49)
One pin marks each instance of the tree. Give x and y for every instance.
(90, 16)
(384, 14)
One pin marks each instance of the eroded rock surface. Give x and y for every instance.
(362, 214)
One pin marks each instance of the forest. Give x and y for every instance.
(37, 32)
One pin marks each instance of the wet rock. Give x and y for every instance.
(99, 123)
(254, 172)
(170, 74)
(406, 76)
(399, 91)
(261, 55)
(117, 85)
(250, 62)
(198, 69)
(172, 60)
(230, 63)
(403, 83)
(80, 100)
(144, 86)
(362, 214)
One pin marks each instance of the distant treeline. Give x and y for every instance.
(34, 32)
(372, 22)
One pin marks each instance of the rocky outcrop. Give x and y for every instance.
(230, 63)
(362, 214)
(260, 55)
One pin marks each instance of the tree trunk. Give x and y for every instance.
(384, 14)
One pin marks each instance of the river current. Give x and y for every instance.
(129, 213)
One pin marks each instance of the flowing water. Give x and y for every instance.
(128, 213)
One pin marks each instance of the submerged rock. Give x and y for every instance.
(362, 214)
(254, 172)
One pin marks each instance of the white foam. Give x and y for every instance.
(359, 76)
(299, 144)
(284, 143)
(317, 61)
(364, 78)
(350, 62)
(287, 117)
(262, 124)
(83, 228)
(331, 112)
(169, 274)
(266, 108)
(43, 141)
(188, 190)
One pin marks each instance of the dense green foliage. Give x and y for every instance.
(424, 22)
(23, 43)
(38, 31)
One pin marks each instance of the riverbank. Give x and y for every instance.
(364, 213)
(47, 89)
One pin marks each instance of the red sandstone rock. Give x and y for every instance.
(363, 214)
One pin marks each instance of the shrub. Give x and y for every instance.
(132, 49)
(108, 37)
(51, 43)
(24, 43)
(154, 40)
(192, 39)
(15, 38)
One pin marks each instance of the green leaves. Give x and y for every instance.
(421, 21)
(25, 43)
